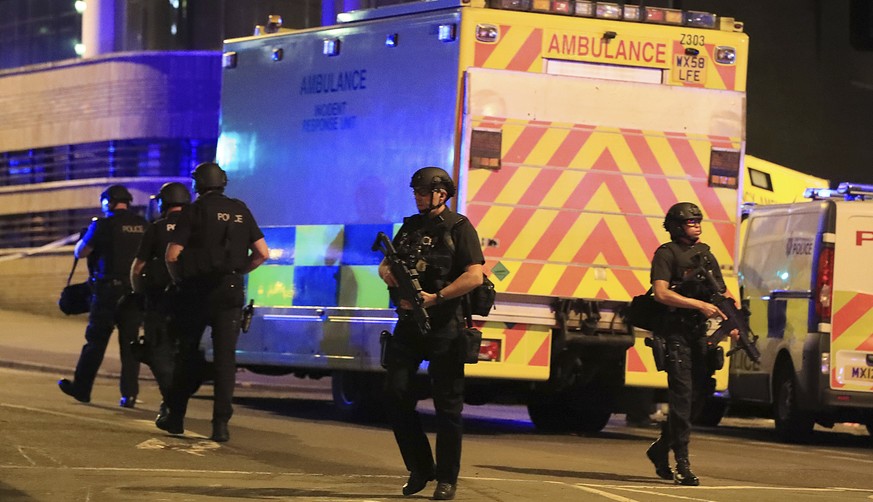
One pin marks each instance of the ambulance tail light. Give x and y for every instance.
(824, 285)
(489, 350)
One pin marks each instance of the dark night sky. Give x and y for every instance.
(810, 93)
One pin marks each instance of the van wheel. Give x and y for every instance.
(357, 395)
(792, 424)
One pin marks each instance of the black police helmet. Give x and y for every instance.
(208, 176)
(677, 215)
(173, 194)
(116, 193)
(433, 178)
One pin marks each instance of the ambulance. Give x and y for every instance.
(570, 127)
(770, 183)
(805, 277)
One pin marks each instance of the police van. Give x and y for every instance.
(809, 288)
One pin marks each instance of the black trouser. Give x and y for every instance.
(406, 351)
(105, 315)
(688, 384)
(218, 304)
(160, 345)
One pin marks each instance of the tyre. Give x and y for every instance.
(591, 420)
(548, 413)
(358, 396)
(792, 424)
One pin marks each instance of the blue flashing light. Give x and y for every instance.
(446, 32)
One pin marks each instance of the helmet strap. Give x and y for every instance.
(435, 201)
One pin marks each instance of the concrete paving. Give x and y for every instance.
(52, 345)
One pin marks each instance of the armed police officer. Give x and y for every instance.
(149, 276)
(444, 248)
(216, 241)
(109, 244)
(683, 329)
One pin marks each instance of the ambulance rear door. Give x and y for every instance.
(567, 180)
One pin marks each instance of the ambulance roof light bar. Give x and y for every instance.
(622, 10)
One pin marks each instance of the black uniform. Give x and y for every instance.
(158, 301)
(441, 248)
(216, 233)
(689, 378)
(114, 240)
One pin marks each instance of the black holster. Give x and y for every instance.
(659, 351)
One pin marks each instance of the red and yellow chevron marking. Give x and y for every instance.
(851, 331)
(517, 48)
(525, 351)
(525, 47)
(572, 199)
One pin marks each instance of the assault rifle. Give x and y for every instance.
(736, 319)
(407, 278)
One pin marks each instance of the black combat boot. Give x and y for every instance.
(683, 474)
(659, 454)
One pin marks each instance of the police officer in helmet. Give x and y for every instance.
(149, 276)
(683, 329)
(216, 241)
(109, 244)
(444, 247)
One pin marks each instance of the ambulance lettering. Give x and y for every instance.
(591, 47)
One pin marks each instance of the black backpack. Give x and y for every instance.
(482, 298)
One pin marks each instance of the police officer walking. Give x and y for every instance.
(444, 247)
(689, 374)
(149, 276)
(109, 244)
(216, 241)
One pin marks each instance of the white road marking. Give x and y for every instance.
(594, 489)
(21, 451)
(660, 494)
